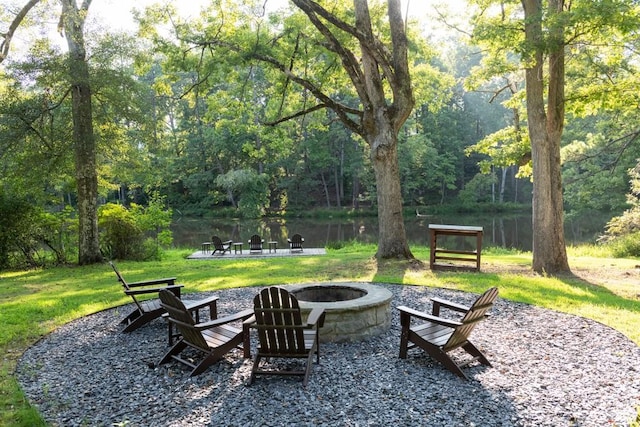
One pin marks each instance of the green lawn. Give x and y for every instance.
(33, 303)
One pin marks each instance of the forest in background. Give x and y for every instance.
(183, 123)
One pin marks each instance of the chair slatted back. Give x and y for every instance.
(183, 320)
(279, 322)
(296, 241)
(126, 287)
(217, 243)
(255, 243)
(475, 314)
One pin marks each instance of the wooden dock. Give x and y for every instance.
(264, 254)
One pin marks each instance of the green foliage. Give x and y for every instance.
(249, 188)
(18, 232)
(595, 164)
(478, 190)
(503, 148)
(138, 233)
(621, 228)
(154, 220)
(601, 120)
(30, 236)
(626, 246)
(120, 236)
(636, 422)
(60, 233)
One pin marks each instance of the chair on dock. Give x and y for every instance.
(439, 336)
(220, 246)
(283, 334)
(295, 243)
(255, 243)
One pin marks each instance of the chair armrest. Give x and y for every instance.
(199, 303)
(168, 281)
(251, 320)
(428, 317)
(151, 290)
(450, 305)
(316, 317)
(242, 315)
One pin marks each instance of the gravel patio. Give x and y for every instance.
(549, 369)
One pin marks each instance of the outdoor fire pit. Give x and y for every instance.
(354, 311)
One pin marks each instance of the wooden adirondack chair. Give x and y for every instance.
(145, 311)
(220, 246)
(255, 243)
(214, 338)
(282, 333)
(439, 336)
(295, 243)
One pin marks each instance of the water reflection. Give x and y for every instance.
(502, 231)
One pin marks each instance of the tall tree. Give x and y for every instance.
(550, 27)
(545, 133)
(71, 24)
(380, 75)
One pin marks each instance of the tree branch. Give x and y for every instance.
(8, 35)
(298, 114)
(349, 61)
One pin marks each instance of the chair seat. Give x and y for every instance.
(218, 336)
(309, 342)
(434, 333)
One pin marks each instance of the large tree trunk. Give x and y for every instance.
(392, 237)
(549, 251)
(381, 124)
(83, 137)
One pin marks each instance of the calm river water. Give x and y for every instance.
(501, 231)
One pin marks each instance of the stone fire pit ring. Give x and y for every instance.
(362, 310)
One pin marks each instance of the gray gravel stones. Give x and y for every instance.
(549, 369)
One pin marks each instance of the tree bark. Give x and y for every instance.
(545, 132)
(381, 127)
(83, 137)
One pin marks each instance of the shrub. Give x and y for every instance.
(18, 231)
(120, 235)
(60, 234)
(138, 233)
(626, 246)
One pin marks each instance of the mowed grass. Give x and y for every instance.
(33, 303)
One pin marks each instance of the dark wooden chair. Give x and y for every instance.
(255, 243)
(439, 336)
(220, 246)
(295, 243)
(214, 338)
(282, 334)
(145, 311)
